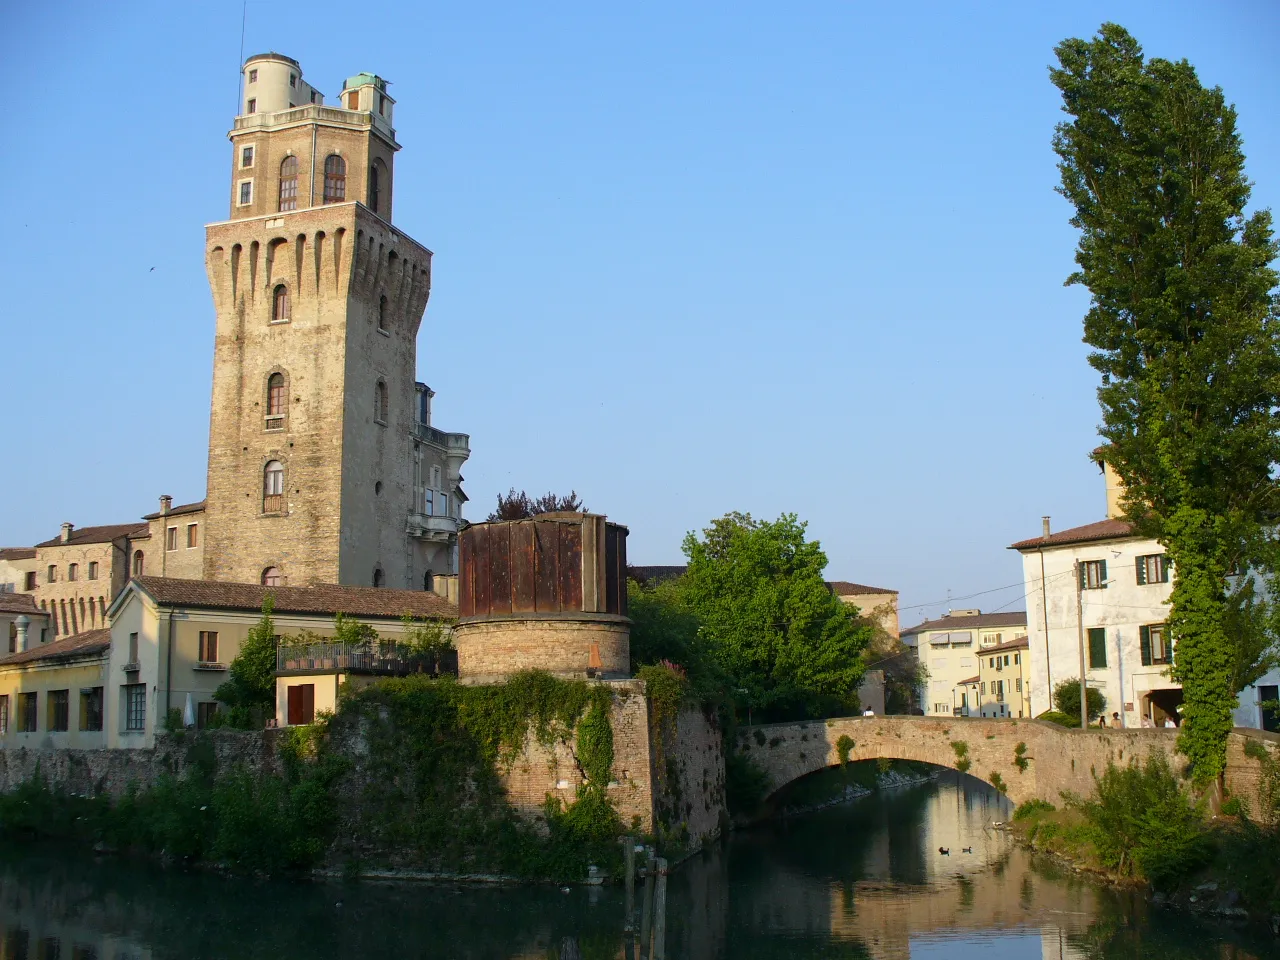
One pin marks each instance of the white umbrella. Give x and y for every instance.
(189, 713)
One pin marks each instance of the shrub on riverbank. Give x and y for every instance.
(405, 775)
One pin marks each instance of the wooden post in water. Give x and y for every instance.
(660, 913)
(646, 910)
(629, 867)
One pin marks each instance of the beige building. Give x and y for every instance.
(173, 639)
(51, 695)
(80, 571)
(22, 622)
(324, 465)
(17, 569)
(949, 647)
(1002, 685)
(876, 603)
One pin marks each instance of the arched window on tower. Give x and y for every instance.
(280, 304)
(273, 487)
(380, 402)
(272, 577)
(139, 563)
(275, 402)
(289, 184)
(377, 173)
(335, 179)
(382, 312)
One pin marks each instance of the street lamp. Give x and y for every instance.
(1084, 683)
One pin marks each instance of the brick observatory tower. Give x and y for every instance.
(547, 593)
(323, 464)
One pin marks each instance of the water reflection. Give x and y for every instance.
(861, 881)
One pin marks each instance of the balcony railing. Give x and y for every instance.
(449, 441)
(377, 658)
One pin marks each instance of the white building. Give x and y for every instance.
(949, 648)
(1123, 593)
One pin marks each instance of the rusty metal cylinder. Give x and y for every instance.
(545, 593)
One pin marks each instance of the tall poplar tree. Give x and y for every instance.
(1183, 326)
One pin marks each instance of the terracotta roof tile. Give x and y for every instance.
(965, 683)
(326, 598)
(1102, 530)
(843, 588)
(17, 553)
(18, 603)
(98, 534)
(1017, 618)
(196, 507)
(1021, 643)
(89, 643)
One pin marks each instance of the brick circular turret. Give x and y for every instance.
(545, 593)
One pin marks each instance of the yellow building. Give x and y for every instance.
(950, 647)
(52, 694)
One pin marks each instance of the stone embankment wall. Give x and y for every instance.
(689, 768)
(1058, 759)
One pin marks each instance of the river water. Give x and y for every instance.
(861, 880)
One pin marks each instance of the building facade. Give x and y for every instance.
(875, 603)
(1002, 686)
(949, 648)
(324, 466)
(1100, 593)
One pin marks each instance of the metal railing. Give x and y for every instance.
(387, 658)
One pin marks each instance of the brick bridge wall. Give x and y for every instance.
(1058, 759)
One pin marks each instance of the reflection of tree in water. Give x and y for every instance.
(1137, 931)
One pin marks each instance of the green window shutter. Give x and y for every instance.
(1142, 572)
(1164, 570)
(1080, 574)
(1102, 573)
(1097, 648)
(1144, 633)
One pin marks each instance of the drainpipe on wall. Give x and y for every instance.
(1124, 720)
(168, 663)
(1044, 609)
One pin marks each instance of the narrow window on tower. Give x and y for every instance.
(246, 192)
(380, 402)
(139, 563)
(373, 186)
(275, 402)
(378, 577)
(253, 106)
(289, 184)
(335, 179)
(273, 487)
(280, 304)
(382, 313)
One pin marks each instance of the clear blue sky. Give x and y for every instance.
(690, 257)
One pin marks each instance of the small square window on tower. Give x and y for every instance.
(253, 106)
(293, 80)
(253, 76)
(246, 157)
(246, 192)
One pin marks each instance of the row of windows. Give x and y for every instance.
(193, 537)
(57, 711)
(73, 573)
(335, 181)
(998, 663)
(1153, 568)
(1153, 643)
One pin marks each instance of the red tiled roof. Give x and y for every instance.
(18, 603)
(1022, 643)
(969, 621)
(965, 683)
(98, 534)
(843, 588)
(89, 643)
(326, 598)
(196, 507)
(17, 553)
(1102, 530)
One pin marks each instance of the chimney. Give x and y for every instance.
(1044, 527)
(166, 504)
(22, 624)
(66, 532)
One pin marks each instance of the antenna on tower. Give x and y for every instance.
(244, 15)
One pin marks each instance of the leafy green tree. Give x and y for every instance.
(250, 689)
(1066, 697)
(767, 619)
(1183, 325)
(521, 506)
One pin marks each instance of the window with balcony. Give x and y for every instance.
(288, 184)
(1093, 574)
(273, 487)
(208, 646)
(1152, 569)
(335, 179)
(275, 402)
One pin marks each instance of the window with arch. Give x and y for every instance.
(280, 304)
(335, 179)
(377, 178)
(275, 402)
(382, 312)
(289, 184)
(379, 578)
(272, 577)
(380, 402)
(273, 487)
(139, 563)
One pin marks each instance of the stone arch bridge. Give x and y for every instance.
(1057, 759)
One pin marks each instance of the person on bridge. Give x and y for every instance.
(868, 712)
